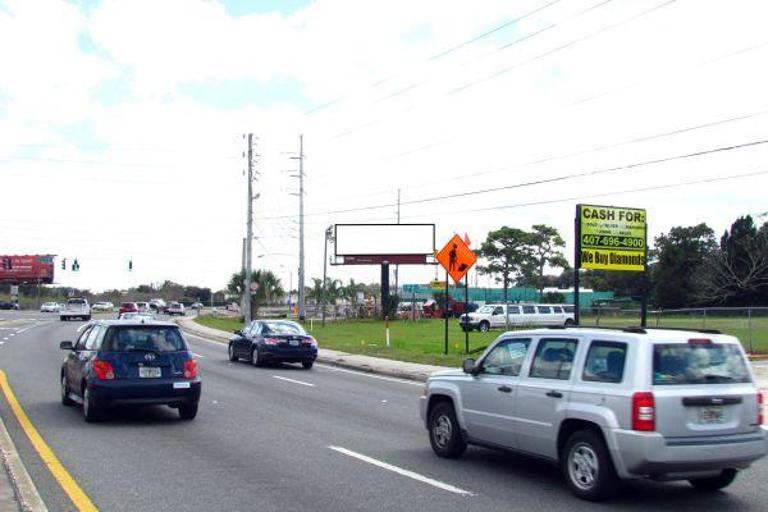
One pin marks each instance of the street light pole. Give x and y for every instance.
(249, 237)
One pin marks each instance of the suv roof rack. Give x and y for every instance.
(636, 329)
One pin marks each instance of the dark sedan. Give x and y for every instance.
(264, 341)
(120, 363)
(9, 305)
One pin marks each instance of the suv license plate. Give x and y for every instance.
(149, 372)
(710, 415)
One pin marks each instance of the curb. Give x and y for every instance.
(24, 489)
(337, 359)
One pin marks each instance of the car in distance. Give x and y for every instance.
(263, 341)
(196, 305)
(606, 404)
(491, 316)
(9, 305)
(175, 308)
(75, 307)
(143, 307)
(49, 307)
(157, 305)
(130, 363)
(102, 306)
(142, 317)
(128, 307)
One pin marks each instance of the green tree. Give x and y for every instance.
(545, 250)
(507, 254)
(269, 286)
(680, 257)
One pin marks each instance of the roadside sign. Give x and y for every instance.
(14, 290)
(611, 238)
(456, 258)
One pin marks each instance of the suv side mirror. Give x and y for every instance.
(66, 345)
(469, 366)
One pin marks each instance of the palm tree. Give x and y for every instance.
(269, 286)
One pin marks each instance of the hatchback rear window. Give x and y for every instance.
(143, 339)
(711, 363)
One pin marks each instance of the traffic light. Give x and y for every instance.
(75, 265)
(64, 264)
(130, 265)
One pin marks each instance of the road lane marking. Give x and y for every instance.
(199, 356)
(81, 500)
(332, 368)
(31, 327)
(294, 381)
(401, 471)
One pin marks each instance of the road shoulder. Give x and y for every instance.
(26, 497)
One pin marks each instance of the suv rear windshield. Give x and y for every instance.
(76, 302)
(686, 363)
(143, 338)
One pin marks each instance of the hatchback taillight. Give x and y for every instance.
(103, 369)
(760, 417)
(643, 412)
(190, 369)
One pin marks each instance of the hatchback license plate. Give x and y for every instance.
(149, 372)
(709, 415)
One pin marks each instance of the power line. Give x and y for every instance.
(590, 196)
(437, 56)
(540, 181)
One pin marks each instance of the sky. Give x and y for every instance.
(122, 122)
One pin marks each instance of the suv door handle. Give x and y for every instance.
(555, 394)
(504, 389)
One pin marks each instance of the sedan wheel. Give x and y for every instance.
(255, 359)
(65, 400)
(231, 351)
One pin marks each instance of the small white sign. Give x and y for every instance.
(181, 385)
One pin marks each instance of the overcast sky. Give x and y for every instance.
(121, 123)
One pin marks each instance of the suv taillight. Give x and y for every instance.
(190, 369)
(643, 412)
(760, 417)
(103, 370)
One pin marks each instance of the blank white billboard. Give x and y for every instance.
(384, 239)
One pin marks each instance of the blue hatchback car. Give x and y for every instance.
(263, 341)
(120, 363)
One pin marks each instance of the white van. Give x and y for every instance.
(492, 316)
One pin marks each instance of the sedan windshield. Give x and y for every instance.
(143, 338)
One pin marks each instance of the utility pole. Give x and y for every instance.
(328, 237)
(301, 228)
(242, 268)
(249, 237)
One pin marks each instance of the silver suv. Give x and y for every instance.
(606, 404)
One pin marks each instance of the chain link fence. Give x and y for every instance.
(749, 324)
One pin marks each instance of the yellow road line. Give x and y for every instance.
(57, 469)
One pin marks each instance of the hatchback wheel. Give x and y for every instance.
(231, 351)
(90, 412)
(65, 400)
(587, 466)
(444, 432)
(188, 411)
(715, 483)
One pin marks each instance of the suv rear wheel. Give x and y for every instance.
(715, 483)
(587, 466)
(444, 432)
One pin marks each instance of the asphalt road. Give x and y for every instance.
(286, 439)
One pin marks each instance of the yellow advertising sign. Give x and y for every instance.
(611, 238)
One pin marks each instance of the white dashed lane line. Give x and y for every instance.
(401, 471)
(286, 379)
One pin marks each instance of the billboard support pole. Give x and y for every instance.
(576, 266)
(445, 312)
(644, 301)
